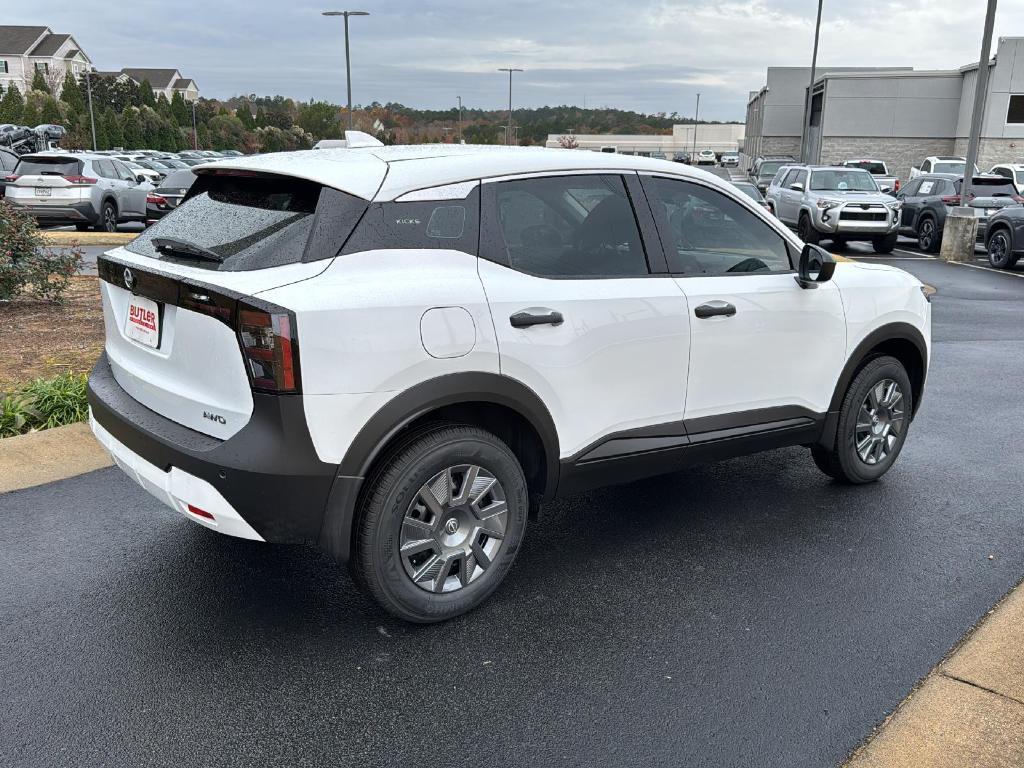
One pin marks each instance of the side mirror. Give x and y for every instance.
(797, 186)
(139, 178)
(886, 190)
(816, 266)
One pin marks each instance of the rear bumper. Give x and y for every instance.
(75, 213)
(266, 478)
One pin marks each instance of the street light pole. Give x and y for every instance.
(806, 130)
(508, 131)
(348, 61)
(696, 115)
(92, 119)
(460, 119)
(195, 130)
(980, 89)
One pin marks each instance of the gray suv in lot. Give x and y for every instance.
(835, 203)
(83, 189)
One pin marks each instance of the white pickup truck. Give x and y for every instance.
(886, 182)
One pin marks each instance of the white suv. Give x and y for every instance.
(398, 353)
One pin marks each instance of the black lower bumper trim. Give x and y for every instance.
(269, 471)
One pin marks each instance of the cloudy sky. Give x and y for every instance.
(642, 55)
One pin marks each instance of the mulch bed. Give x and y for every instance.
(39, 339)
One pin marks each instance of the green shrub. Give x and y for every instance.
(44, 403)
(26, 264)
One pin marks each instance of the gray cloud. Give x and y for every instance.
(643, 55)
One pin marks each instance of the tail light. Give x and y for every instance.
(951, 200)
(82, 181)
(1018, 199)
(270, 348)
(155, 200)
(896, 186)
(12, 177)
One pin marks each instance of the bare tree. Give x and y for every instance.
(568, 142)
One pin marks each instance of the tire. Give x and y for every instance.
(1000, 250)
(885, 244)
(82, 227)
(108, 217)
(443, 572)
(807, 231)
(928, 236)
(859, 430)
(839, 243)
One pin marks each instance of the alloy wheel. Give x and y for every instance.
(997, 250)
(453, 528)
(879, 422)
(926, 235)
(109, 219)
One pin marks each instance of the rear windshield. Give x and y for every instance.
(47, 166)
(843, 181)
(990, 187)
(769, 169)
(876, 169)
(253, 222)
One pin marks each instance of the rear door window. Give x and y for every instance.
(49, 166)
(246, 222)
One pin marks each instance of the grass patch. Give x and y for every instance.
(44, 403)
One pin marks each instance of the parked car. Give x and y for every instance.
(730, 159)
(837, 203)
(706, 157)
(1004, 239)
(167, 196)
(948, 165)
(84, 189)
(1012, 171)
(765, 167)
(482, 344)
(144, 171)
(927, 199)
(232, 153)
(682, 157)
(8, 160)
(886, 182)
(751, 191)
(192, 161)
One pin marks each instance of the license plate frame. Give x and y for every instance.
(43, 192)
(143, 322)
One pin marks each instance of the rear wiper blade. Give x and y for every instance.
(172, 245)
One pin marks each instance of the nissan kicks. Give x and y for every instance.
(399, 353)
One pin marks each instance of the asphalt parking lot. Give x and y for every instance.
(746, 613)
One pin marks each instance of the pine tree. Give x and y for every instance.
(112, 129)
(146, 95)
(71, 94)
(50, 113)
(39, 82)
(30, 115)
(130, 128)
(12, 106)
(181, 110)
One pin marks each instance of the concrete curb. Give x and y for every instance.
(88, 238)
(969, 711)
(49, 455)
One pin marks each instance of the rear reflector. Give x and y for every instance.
(270, 348)
(199, 512)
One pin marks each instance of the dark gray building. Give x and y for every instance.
(897, 115)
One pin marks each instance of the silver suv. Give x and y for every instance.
(83, 189)
(835, 203)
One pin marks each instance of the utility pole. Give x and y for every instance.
(961, 228)
(92, 119)
(348, 61)
(804, 149)
(195, 130)
(508, 131)
(461, 140)
(696, 115)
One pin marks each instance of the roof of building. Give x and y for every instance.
(20, 40)
(385, 173)
(49, 45)
(107, 73)
(158, 78)
(183, 82)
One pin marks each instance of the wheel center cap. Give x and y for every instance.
(451, 526)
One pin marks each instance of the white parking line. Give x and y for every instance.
(988, 269)
(915, 254)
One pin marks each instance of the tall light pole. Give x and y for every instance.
(696, 115)
(92, 119)
(195, 130)
(461, 140)
(510, 70)
(348, 63)
(980, 90)
(804, 148)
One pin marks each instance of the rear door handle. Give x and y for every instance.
(524, 318)
(715, 308)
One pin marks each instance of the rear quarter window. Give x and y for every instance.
(445, 224)
(255, 222)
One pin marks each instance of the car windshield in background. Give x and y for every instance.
(950, 168)
(999, 187)
(769, 169)
(878, 169)
(249, 222)
(843, 181)
(750, 191)
(48, 166)
(180, 179)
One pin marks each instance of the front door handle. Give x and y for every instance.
(524, 318)
(715, 308)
